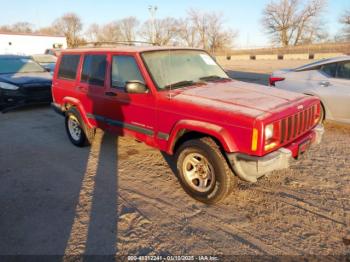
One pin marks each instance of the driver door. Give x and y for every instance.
(129, 114)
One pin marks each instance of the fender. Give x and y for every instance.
(220, 133)
(327, 112)
(75, 102)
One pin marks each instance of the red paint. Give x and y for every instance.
(273, 80)
(226, 110)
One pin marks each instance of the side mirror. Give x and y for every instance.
(135, 87)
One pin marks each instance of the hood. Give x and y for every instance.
(246, 98)
(23, 79)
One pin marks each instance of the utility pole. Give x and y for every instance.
(152, 10)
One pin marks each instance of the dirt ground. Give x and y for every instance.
(121, 197)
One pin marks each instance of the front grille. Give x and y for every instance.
(296, 125)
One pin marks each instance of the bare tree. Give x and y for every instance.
(128, 27)
(20, 27)
(200, 23)
(110, 32)
(92, 33)
(345, 21)
(187, 33)
(293, 22)
(49, 30)
(166, 31)
(210, 30)
(69, 25)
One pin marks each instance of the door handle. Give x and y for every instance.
(324, 83)
(110, 94)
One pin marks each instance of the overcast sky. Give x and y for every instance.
(243, 16)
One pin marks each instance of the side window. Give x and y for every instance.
(330, 69)
(124, 68)
(94, 69)
(343, 70)
(68, 67)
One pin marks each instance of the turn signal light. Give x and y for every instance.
(255, 139)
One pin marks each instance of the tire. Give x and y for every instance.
(78, 133)
(203, 170)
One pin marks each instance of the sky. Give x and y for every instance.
(242, 16)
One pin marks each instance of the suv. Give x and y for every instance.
(182, 102)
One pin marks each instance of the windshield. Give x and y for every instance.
(179, 68)
(19, 65)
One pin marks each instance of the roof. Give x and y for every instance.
(131, 49)
(13, 56)
(324, 61)
(29, 34)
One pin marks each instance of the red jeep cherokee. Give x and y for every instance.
(183, 103)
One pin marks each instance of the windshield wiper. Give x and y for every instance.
(213, 78)
(180, 84)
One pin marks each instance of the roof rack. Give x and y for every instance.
(115, 43)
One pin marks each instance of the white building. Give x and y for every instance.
(29, 44)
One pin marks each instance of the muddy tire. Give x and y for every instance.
(203, 170)
(78, 133)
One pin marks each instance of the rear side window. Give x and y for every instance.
(343, 70)
(94, 69)
(329, 69)
(124, 68)
(68, 67)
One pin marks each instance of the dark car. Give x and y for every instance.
(46, 61)
(23, 81)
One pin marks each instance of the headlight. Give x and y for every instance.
(268, 132)
(8, 86)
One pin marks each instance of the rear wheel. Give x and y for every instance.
(79, 134)
(203, 171)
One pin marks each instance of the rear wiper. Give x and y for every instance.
(213, 78)
(180, 84)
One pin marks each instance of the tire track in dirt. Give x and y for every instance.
(296, 200)
(236, 232)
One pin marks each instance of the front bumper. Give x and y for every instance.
(9, 98)
(250, 168)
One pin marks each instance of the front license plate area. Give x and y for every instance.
(303, 147)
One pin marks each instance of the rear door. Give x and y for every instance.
(332, 84)
(91, 87)
(132, 114)
(65, 79)
(341, 86)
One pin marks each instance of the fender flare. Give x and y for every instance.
(218, 132)
(76, 103)
(327, 112)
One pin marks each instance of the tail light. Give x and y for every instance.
(273, 80)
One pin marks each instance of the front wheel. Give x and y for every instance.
(203, 171)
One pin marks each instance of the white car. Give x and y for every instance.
(328, 79)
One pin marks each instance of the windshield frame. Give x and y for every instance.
(174, 50)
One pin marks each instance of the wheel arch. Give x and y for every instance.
(69, 102)
(324, 107)
(190, 129)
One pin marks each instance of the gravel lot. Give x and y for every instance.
(121, 197)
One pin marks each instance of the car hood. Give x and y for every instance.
(249, 99)
(23, 79)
